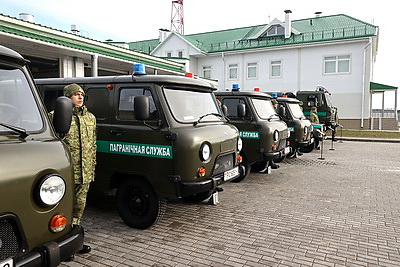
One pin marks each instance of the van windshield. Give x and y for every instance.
(264, 108)
(296, 111)
(17, 104)
(189, 106)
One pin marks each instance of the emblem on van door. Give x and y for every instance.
(249, 135)
(134, 149)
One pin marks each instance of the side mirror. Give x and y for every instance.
(224, 109)
(62, 115)
(141, 106)
(241, 110)
(281, 111)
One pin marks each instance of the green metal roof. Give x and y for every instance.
(379, 87)
(36, 31)
(317, 29)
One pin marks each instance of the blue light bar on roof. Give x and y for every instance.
(139, 69)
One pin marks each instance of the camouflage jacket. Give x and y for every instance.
(314, 117)
(81, 140)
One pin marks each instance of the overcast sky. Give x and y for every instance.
(123, 20)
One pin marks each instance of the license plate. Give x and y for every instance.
(7, 263)
(287, 150)
(228, 175)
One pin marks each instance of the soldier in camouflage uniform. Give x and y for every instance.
(313, 115)
(81, 140)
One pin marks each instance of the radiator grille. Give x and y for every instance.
(9, 245)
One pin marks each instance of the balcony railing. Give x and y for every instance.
(307, 37)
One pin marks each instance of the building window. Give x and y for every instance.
(276, 69)
(251, 70)
(337, 64)
(233, 71)
(180, 54)
(276, 30)
(168, 54)
(207, 72)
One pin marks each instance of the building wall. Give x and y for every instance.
(302, 69)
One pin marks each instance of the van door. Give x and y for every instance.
(137, 147)
(247, 126)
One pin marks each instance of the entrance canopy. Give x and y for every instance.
(379, 88)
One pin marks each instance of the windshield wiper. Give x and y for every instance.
(22, 132)
(205, 115)
(270, 117)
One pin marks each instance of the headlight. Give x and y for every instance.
(276, 136)
(288, 134)
(305, 130)
(51, 190)
(240, 144)
(205, 152)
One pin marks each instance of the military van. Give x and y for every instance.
(159, 137)
(264, 135)
(322, 99)
(301, 137)
(36, 183)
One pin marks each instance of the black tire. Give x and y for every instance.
(199, 197)
(259, 166)
(280, 159)
(138, 205)
(307, 149)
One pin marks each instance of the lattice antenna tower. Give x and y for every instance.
(177, 24)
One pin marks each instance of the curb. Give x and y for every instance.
(360, 139)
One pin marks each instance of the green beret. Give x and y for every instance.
(72, 89)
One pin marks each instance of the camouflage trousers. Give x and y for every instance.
(81, 191)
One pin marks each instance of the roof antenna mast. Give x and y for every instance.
(177, 17)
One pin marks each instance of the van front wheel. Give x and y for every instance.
(138, 205)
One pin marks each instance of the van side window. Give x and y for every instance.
(232, 103)
(50, 97)
(126, 100)
(96, 100)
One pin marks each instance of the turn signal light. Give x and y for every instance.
(58, 223)
(201, 172)
(239, 159)
(274, 147)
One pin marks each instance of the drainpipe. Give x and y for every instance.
(95, 59)
(224, 70)
(363, 84)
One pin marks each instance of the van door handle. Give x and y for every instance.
(117, 131)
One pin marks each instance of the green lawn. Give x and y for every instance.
(366, 134)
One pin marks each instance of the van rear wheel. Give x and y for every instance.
(138, 205)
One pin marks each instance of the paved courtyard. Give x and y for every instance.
(343, 210)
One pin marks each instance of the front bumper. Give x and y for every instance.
(54, 252)
(277, 154)
(209, 185)
(306, 143)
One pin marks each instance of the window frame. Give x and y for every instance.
(248, 72)
(272, 65)
(336, 60)
(230, 67)
(203, 70)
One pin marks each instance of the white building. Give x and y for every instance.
(337, 52)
